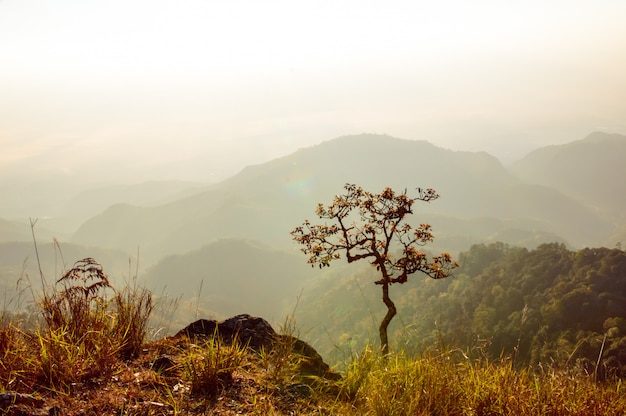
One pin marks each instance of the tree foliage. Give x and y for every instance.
(370, 226)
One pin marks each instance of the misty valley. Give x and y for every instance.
(540, 284)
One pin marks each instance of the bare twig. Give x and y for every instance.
(32, 229)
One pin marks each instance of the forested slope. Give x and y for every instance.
(549, 305)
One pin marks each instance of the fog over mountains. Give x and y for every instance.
(229, 232)
(588, 170)
(265, 201)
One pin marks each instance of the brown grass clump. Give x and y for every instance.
(85, 332)
(17, 359)
(133, 307)
(210, 366)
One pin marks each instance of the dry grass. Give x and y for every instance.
(175, 376)
(133, 307)
(85, 333)
(90, 358)
(450, 384)
(210, 366)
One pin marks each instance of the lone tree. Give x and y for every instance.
(370, 226)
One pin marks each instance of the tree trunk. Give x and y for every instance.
(391, 312)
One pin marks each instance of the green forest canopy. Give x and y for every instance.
(549, 305)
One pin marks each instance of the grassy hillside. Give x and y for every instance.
(92, 359)
(438, 384)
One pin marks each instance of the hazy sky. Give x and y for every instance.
(120, 87)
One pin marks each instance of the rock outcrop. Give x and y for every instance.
(256, 333)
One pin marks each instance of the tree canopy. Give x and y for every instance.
(370, 226)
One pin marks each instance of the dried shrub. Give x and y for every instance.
(85, 332)
(133, 309)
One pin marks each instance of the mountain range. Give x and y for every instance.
(186, 232)
(480, 198)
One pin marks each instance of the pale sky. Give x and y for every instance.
(196, 89)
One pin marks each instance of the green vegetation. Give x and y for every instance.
(547, 306)
(377, 234)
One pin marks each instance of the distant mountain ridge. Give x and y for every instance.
(234, 276)
(14, 231)
(61, 210)
(19, 266)
(264, 202)
(591, 170)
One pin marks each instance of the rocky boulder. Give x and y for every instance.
(256, 333)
